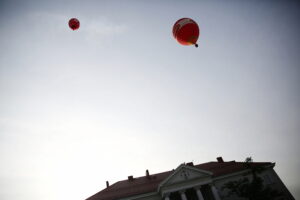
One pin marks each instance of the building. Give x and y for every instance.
(191, 182)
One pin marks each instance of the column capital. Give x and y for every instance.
(212, 184)
(181, 191)
(167, 194)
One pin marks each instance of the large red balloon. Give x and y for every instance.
(74, 24)
(186, 31)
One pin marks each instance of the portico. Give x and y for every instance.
(206, 192)
(189, 183)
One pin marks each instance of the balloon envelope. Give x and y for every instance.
(74, 24)
(186, 31)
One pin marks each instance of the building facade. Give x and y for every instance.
(192, 182)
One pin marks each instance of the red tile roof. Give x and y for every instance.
(141, 185)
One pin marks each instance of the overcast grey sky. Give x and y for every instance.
(120, 95)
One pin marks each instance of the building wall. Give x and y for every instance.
(269, 177)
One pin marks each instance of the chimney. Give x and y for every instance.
(220, 160)
(130, 178)
(107, 184)
(190, 164)
(147, 174)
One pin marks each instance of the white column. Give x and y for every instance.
(215, 192)
(182, 194)
(199, 194)
(167, 197)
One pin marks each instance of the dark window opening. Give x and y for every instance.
(191, 194)
(175, 196)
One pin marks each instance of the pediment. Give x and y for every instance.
(185, 173)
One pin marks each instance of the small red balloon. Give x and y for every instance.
(186, 31)
(74, 24)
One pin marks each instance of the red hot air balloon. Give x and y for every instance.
(74, 24)
(186, 31)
